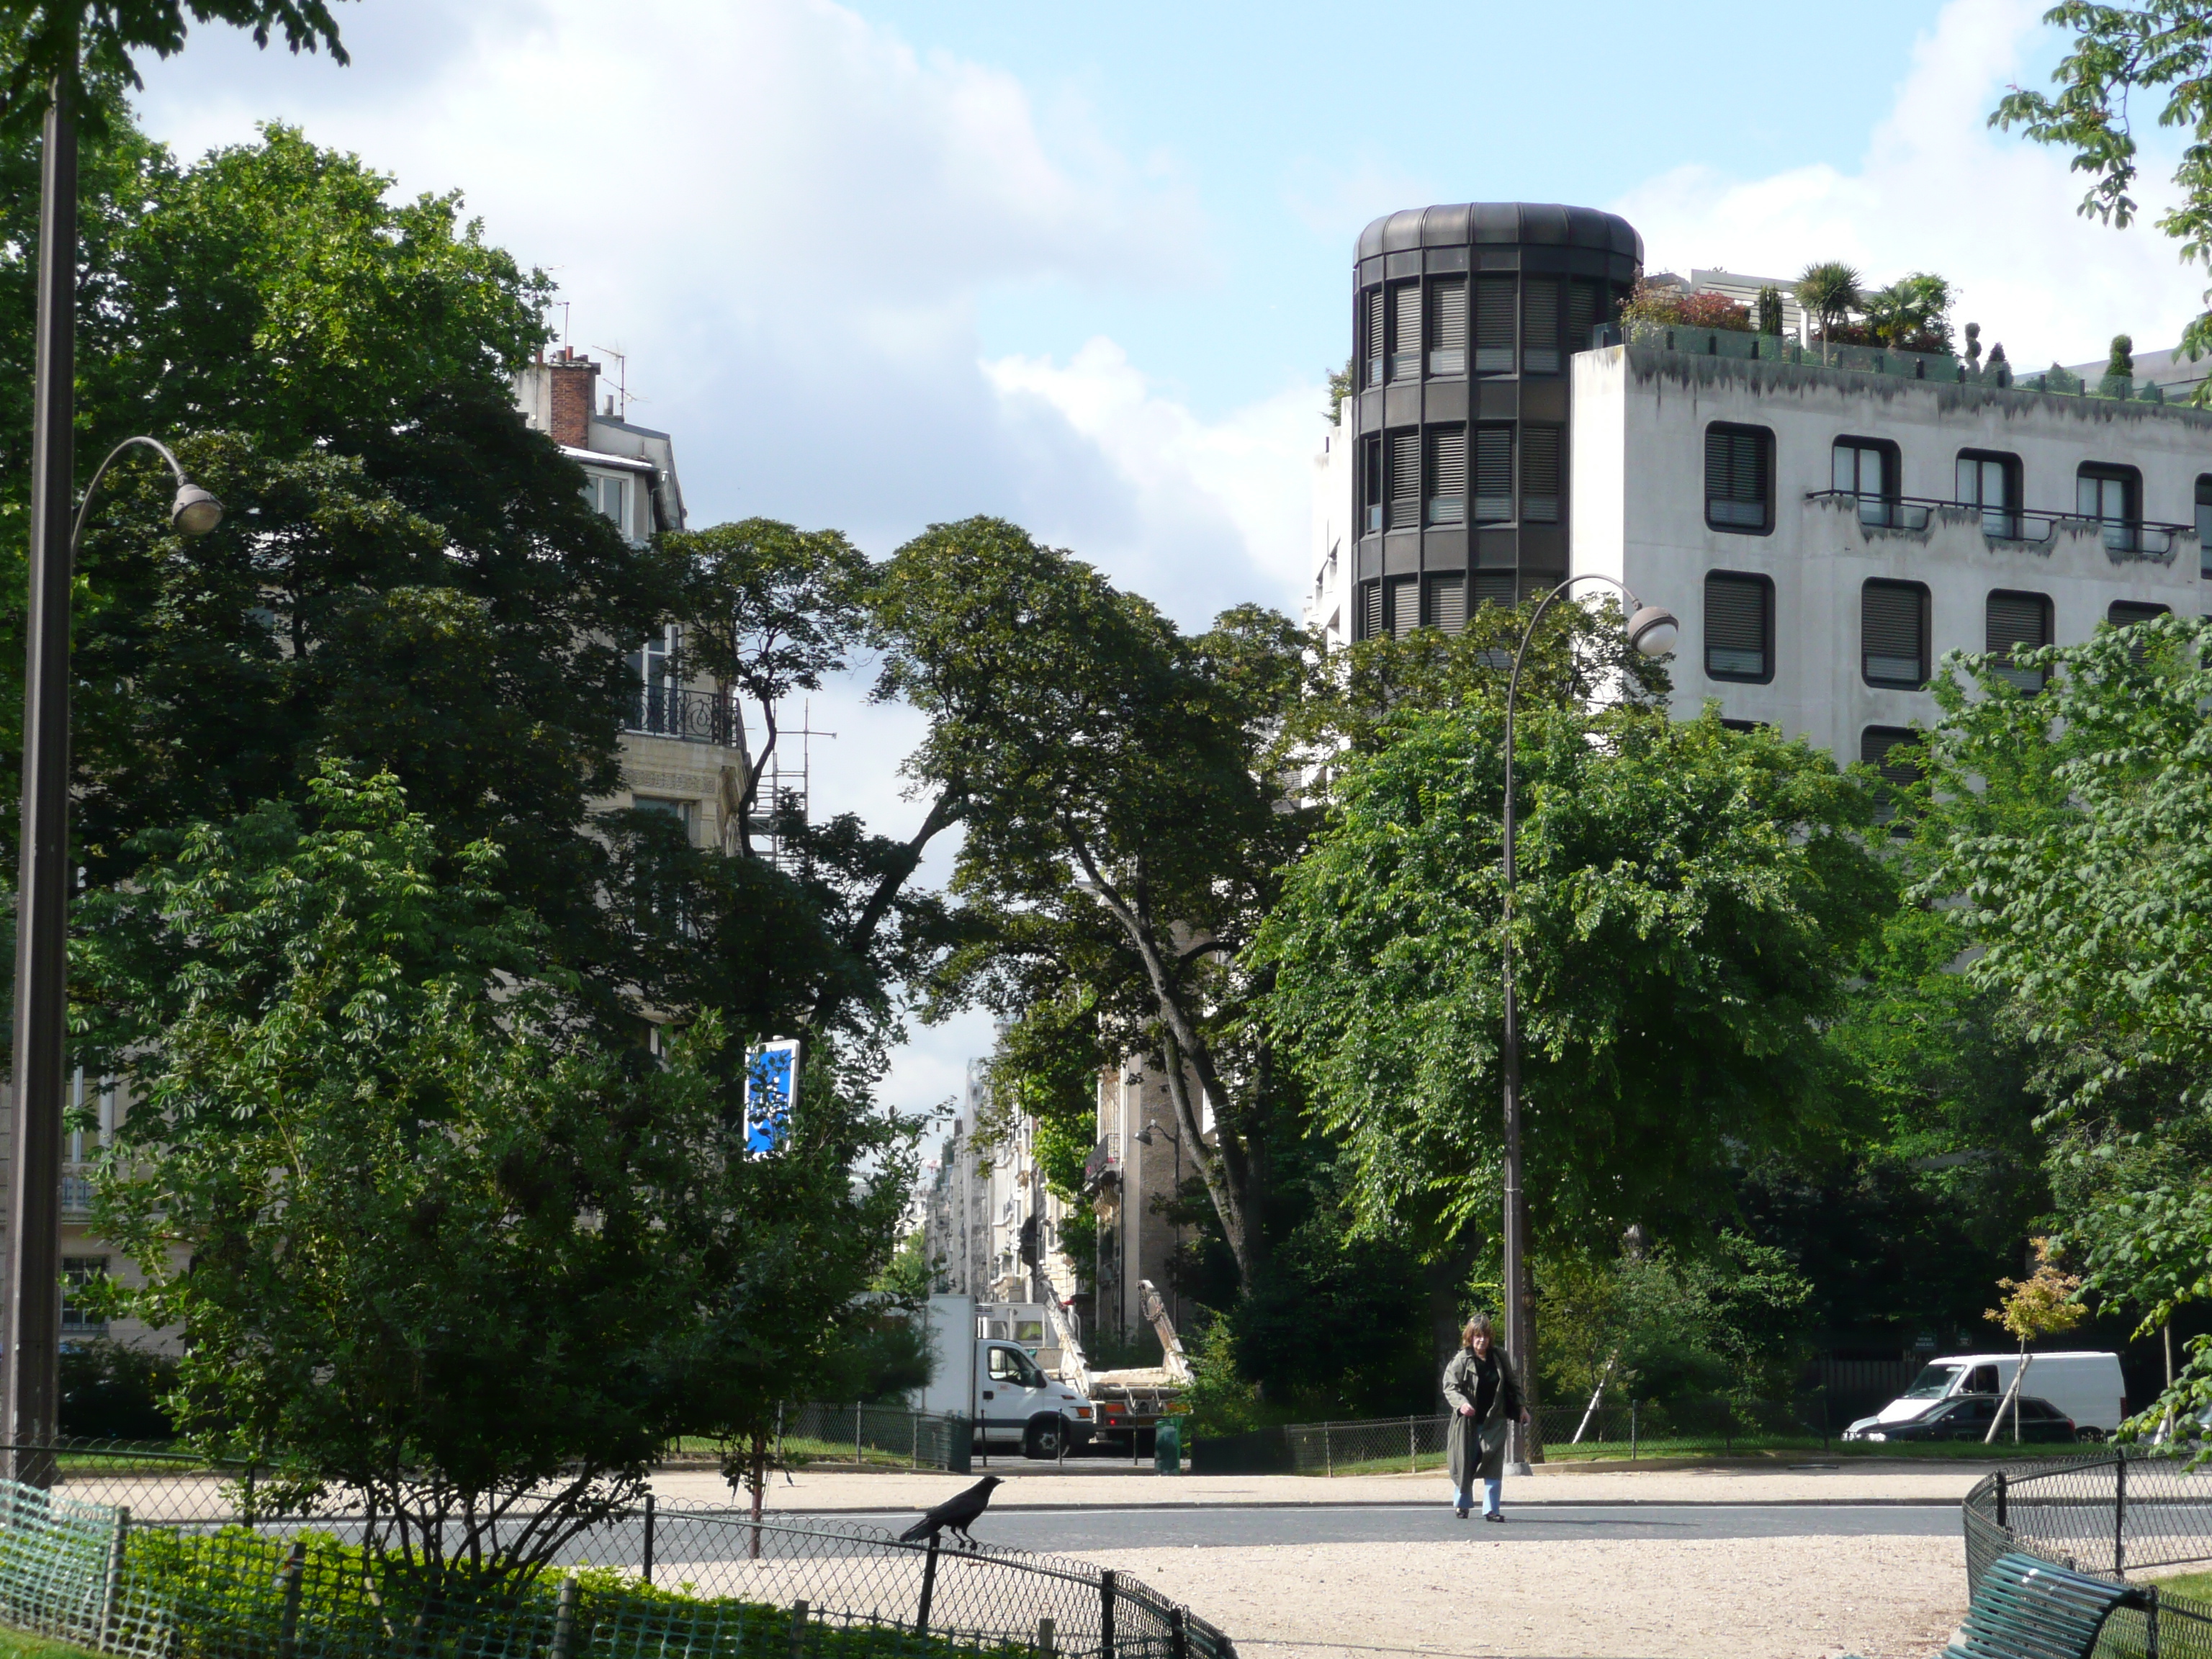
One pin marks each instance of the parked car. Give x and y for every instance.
(1967, 1417)
(2087, 1386)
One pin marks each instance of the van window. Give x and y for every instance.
(1013, 1365)
(1933, 1383)
(1983, 1381)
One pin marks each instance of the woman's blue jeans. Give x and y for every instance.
(1489, 1495)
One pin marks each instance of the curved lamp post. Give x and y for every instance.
(32, 1337)
(1652, 631)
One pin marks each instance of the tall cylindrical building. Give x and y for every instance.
(1463, 323)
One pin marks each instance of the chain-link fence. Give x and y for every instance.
(1704, 1426)
(669, 1582)
(891, 1436)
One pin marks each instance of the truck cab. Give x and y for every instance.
(993, 1382)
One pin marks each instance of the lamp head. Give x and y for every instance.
(194, 512)
(1653, 630)
(1145, 1135)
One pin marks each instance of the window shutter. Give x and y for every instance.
(1736, 478)
(1371, 463)
(1447, 328)
(1374, 341)
(1406, 333)
(1494, 325)
(1539, 474)
(1875, 745)
(1540, 353)
(1448, 603)
(1581, 315)
(1405, 605)
(2126, 613)
(2022, 621)
(1893, 629)
(1371, 606)
(1735, 626)
(1448, 475)
(1495, 587)
(1494, 475)
(1406, 480)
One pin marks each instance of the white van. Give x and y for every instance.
(2087, 1386)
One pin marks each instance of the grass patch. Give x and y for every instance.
(14, 1644)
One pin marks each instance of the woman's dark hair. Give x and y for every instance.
(1478, 1326)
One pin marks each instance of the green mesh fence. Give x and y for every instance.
(670, 1582)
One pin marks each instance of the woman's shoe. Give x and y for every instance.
(1458, 1512)
(1492, 1515)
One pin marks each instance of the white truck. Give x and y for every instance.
(996, 1383)
(2087, 1386)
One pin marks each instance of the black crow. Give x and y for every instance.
(959, 1512)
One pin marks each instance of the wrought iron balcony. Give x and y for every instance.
(1101, 1166)
(2008, 524)
(76, 1197)
(668, 711)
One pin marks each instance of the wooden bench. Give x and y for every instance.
(2028, 1608)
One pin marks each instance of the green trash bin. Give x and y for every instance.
(1167, 1446)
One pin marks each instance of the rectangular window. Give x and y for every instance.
(1540, 336)
(1739, 479)
(1739, 627)
(1495, 587)
(1494, 475)
(1370, 611)
(1494, 325)
(1894, 634)
(1585, 304)
(657, 668)
(609, 496)
(2018, 621)
(1405, 480)
(1374, 346)
(1370, 466)
(1448, 475)
(1405, 605)
(2113, 496)
(79, 1274)
(1992, 483)
(1447, 328)
(1868, 471)
(2126, 613)
(1447, 602)
(1405, 332)
(1876, 743)
(1539, 474)
(2204, 525)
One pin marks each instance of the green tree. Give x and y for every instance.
(1828, 290)
(2119, 378)
(90, 46)
(1912, 314)
(2118, 52)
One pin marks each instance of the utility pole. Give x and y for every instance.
(31, 1359)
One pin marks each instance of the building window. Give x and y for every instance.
(1496, 587)
(1739, 479)
(1868, 468)
(1739, 627)
(1447, 328)
(656, 669)
(79, 1274)
(2019, 622)
(1539, 474)
(1370, 611)
(1991, 482)
(1494, 325)
(1494, 475)
(1875, 745)
(2126, 613)
(1448, 475)
(1894, 634)
(610, 496)
(1370, 484)
(1540, 334)
(1372, 347)
(2204, 524)
(681, 811)
(1405, 603)
(2112, 495)
(1405, 480)
(1405, 332)
(1585, 311)
(1447, 602)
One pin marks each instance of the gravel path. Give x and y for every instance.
(1770, 1598)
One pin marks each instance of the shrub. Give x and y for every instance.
(1715, 311)
(112, 1392)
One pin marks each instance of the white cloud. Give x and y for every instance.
(1939, 190)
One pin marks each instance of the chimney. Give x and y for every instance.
(573, 383)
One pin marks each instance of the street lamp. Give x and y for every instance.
(33, 1338)
(1652, 631)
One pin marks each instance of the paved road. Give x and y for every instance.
(1076, 1531)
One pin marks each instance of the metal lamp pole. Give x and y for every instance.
(1652, 631)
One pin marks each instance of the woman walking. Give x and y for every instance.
(1485, 1397)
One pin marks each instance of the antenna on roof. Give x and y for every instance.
(621, 379)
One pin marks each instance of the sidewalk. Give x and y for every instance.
(1118, 1487)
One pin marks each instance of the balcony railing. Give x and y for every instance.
(666, 711)
(1103, 1165)
(2007, 524)
(76, 1197)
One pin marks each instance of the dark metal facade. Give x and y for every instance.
(1465, 321)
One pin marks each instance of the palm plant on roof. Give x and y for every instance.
(1912, 312)
(1828, 290)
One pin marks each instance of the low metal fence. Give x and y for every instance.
(667, 1579)
(892, 1436)
(1704, 1426)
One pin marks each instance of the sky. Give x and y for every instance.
(888, 264)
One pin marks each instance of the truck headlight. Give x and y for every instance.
(1875, 1434)
(1082, 1411)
